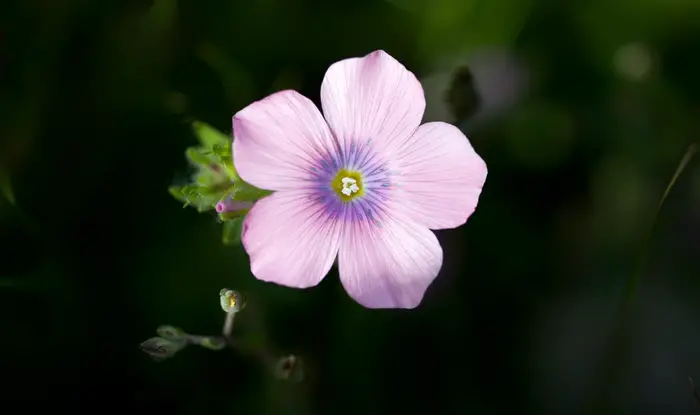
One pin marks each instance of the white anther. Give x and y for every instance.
(349, 186)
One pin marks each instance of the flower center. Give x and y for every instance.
(348, 185)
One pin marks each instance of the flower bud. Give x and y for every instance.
(231, 301)
(160, 348)
(171, 333)
(228, 205)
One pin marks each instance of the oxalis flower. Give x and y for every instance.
(366, 184)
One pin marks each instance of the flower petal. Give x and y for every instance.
(291, 239)
(388, 264)
(278, 139)
(440, 176)
(372, 98)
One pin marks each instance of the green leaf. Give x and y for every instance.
(232, 231)
(209, 136)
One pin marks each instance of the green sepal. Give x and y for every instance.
(232, 231)
(232, 216)
(203, 198)
(200, 156)
(245, 192)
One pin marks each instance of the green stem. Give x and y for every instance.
(601, 397)
(228, 324)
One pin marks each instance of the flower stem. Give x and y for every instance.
(601, 398)
(228, 324)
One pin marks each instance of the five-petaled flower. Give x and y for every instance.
(366, 184)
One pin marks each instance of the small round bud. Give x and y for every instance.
(231, 301)
(289, 368)
(160, 348)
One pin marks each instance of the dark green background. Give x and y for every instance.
(95, 103)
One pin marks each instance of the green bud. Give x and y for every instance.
(213, 343)
(231, 301)
(289, 368)
(160, 348)
(171, 333)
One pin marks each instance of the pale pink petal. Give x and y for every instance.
(291, 239)
(388, 263)
(372, 98)
(440, 176)
(277, 141)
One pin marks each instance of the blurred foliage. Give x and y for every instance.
(581, 110)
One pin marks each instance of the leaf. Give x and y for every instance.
(232, 231)
(209, 136)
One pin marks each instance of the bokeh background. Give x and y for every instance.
(582, 111)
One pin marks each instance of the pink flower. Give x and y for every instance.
(366, 184)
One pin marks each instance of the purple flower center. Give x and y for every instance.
(353, 184)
